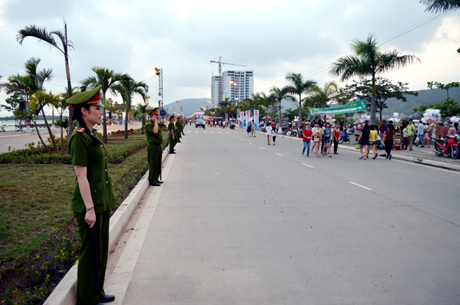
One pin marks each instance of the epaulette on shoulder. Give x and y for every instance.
(80, 130)
(150, 123)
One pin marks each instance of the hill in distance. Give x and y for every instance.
(189, 106)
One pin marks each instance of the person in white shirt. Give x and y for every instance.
(274, 133)
(269, 133)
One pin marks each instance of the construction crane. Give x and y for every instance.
(219, 98)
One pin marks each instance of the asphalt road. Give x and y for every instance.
(241, 222)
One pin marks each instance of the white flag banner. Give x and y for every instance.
(242, 118)
(248, 116)
(256, 118)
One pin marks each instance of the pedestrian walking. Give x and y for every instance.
(388, 139)
(268, 131)
(253, 129)
(248, 129)
(336, 136)
(171, 134)
(363, 140)
(92, 199)
(373, 140)
(427, 135)
(274, 133)
(405, 139)
(317, 136)
(420, 134)
(154, 151)
(327, 140)
(410, 133)
(306, 138)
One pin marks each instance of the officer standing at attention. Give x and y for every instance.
(179, 129)
(155, 139)
(92, 198)
(171, 134)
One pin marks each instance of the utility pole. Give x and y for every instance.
(159, 72)
(219, 98)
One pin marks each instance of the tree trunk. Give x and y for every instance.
(126, 121)
(53, 141)
(104, 123)
(40, 137)
(373, 101)
(143, 122)
(300, 110)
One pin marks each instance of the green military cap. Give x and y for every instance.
(90, 97)
(155, 110)
(171, 117)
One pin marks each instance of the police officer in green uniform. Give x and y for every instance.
(178, 129)
(92, 198)
(172, 134)
(155, 139)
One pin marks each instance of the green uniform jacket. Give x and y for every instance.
(172, 131)
(94, 158)
(152, 137)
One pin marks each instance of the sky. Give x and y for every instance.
(270, 37)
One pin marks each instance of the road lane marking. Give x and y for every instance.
(220, 131)
(261, 147)
(205, 132)
(279, 155)
(196, 131)
(307, 165)
(212, 131)
(366, 188)
(188, 131)
(241, 140)
(249, 142)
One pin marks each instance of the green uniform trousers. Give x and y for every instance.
(86, 280)
(172, 143)
(154, 154)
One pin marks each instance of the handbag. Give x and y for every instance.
(316, 139)
(357, 146)
(379, 138)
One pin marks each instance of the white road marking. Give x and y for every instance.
(366, 188)
(212, 131)
(205, 132)
(196, 131)
(261, 147)
(279, 155)
(188, 131)
(307, 165)
(241, 140)
(228, 132)
(220, 131)
(249, 142)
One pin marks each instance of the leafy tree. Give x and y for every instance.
(444, 86)
(279, 95)
(384, 90)
(225, 102)
(368, 61)
(321, 96)
(126, 87)
(448, 107)
(107, 79)
(42, 34)
(441, 5)
(298, 86)
(265, 101)
(292, 113)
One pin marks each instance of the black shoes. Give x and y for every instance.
(172, 153)
(160, 181)
(156, 184)
(107, 298)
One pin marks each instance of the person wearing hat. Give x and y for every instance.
(179, 129)
(154, 152)
(171, 134)
(92, 198)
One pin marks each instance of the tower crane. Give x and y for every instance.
(219, 98)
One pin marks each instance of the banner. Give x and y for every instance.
(248, 116)
(242, 118)
(350, 107)
(256, 118)
(226, 117)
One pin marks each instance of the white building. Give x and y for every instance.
(237, 85)
(215, 91)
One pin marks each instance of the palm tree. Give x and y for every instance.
(266, 101)
(43, 35)
(441, 5)
(280, 94)
(126, 87)
(140, 111)
(225, 102)
(107, 78)
(298, 86)
(369, 61)
(322, 96)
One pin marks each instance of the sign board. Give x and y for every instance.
(350, 107)
(163, 112)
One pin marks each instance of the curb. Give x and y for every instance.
(66, 291)
(401, 157)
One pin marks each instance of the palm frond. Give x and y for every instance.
(40, 33)
(441, 5)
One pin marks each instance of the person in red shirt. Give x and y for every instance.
(336, 136)
(388, 139)
(306, 135)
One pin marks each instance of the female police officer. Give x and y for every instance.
(92, 198)
(155, 139)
